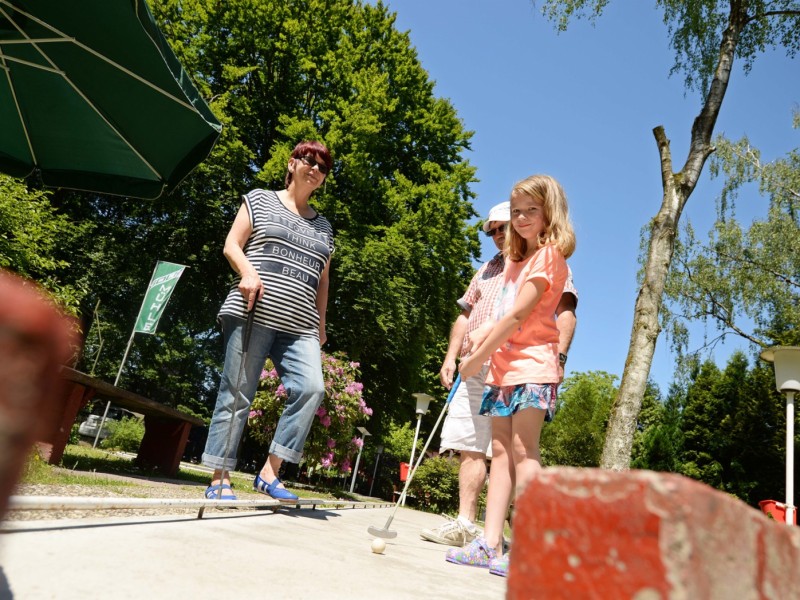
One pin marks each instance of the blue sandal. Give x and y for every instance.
(272, 490)
(214, 492)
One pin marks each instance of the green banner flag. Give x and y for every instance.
(165, 278)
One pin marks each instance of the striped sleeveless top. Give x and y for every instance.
(289, 253)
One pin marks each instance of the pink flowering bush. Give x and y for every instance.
(332, 441)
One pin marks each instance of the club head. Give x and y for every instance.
(386, 534)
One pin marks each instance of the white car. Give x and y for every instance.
(90, 426)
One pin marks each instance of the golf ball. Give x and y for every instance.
(378, 546)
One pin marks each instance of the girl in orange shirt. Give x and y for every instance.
(522, 343)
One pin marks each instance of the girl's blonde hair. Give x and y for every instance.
(558, 228)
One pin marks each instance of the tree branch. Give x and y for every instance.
(712, 344)
(772, 13)
(761, 267)
(703, 127)
(718, 312)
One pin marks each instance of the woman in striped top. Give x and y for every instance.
(280, 249)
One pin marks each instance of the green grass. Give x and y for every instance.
(84, 458)
(38, 472)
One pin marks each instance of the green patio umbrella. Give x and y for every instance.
(92, 96)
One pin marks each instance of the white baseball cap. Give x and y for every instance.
(500, 212)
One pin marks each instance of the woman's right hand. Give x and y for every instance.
(251, 289)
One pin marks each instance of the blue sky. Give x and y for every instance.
(581, 106)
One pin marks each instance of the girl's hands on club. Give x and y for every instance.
(469, 367)
(477, 337)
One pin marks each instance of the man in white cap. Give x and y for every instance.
(464, 429)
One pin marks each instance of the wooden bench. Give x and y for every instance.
(166, 429)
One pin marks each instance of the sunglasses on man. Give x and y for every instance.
(311, 162)
(498, 229)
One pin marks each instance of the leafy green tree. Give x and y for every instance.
(398, 440)
(706, 36)
(702, 415)
(36, 240)
(759, 437)
(734, 429)
(658, 446)
(651, 414)
(575, 437)
(744, 281)
(398, 197)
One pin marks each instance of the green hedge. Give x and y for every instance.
(435, 485)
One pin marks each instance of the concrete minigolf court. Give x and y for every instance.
(293, 553)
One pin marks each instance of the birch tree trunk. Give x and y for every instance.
(677, 189)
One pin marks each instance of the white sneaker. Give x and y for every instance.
(452, 533)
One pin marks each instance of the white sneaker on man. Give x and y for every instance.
(453, 533)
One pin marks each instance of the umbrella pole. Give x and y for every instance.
(790, 508)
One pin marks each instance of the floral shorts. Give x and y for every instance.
(506, 400)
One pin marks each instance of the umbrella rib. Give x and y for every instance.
(28, 63)
(34, 40)
(16, 105)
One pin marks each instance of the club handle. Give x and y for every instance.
(248, 326)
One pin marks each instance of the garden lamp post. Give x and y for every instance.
(423, 400)
(786, 360)
(364, 434)
(379, 451)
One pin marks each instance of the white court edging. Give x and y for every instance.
(77, 503)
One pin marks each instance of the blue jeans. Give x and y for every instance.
(299, 364)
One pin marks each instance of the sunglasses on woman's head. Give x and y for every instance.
(311, 162)
(498, 229)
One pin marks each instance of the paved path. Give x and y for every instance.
(291, 555)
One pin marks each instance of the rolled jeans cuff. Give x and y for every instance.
(285, 453)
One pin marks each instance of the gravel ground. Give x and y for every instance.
(120, 486)
(128, 487)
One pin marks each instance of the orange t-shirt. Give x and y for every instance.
(530, 355)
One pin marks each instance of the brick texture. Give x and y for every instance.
(589, 533)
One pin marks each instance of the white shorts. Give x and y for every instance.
(464, 428)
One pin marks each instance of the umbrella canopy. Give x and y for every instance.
(93, 97)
